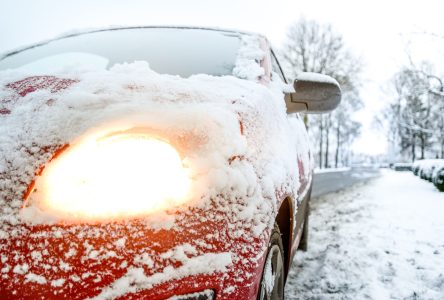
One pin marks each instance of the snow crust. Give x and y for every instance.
(234, 136)
(31, 277)
(247, 63)
(135, 279)
(199, 110)
(316, 77)
(269, 276)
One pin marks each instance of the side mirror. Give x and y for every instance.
(314, 93)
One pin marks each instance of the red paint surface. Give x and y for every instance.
(139, 240)
(34, 83)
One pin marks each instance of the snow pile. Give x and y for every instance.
(249, 56)
(316, 77)
(202, 114)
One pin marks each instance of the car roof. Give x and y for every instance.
(113, 28)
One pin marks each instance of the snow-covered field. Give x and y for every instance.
(383, 239)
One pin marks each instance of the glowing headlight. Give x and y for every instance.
(119, 176)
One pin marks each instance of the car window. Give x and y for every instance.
(175, 51)
(276, 67)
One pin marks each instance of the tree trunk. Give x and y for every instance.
(422, 138)
(327, 131)
(442, 148)
(413, 147)
(338, 143)
(321, 140)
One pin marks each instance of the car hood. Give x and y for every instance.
(234, 134)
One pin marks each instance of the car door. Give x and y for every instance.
(303, 157)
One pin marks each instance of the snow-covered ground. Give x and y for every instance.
(383, 239)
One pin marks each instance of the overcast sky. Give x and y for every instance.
(378, 31)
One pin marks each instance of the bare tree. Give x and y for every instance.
(435, 89)
(417, 113)
(346, 129)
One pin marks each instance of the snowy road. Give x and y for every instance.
(383, 239)
(325, 182)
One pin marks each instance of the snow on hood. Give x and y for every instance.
(238, 146)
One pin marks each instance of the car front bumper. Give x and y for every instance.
(203, 251)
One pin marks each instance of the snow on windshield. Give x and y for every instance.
(174, 51)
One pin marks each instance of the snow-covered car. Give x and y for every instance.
(402, 166)
(438, 175)
(431, 170)
(424, 168)
(416, 166)
(153, 162)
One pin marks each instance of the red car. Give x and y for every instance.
(153, 163)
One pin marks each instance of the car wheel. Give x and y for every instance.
(273, 277)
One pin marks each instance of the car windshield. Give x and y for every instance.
(174, 51)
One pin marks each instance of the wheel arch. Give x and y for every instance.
(285, 220)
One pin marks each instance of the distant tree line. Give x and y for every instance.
(416, 116)
(314, 47)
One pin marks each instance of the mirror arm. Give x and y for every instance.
(294, 107)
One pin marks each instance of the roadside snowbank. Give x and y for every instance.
(331, 170)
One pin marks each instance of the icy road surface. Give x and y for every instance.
(383, 239)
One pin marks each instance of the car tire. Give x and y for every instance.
(303, 244)
(273, 273)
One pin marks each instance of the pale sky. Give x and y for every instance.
(378, 31)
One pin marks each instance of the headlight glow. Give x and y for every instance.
(118, 176)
